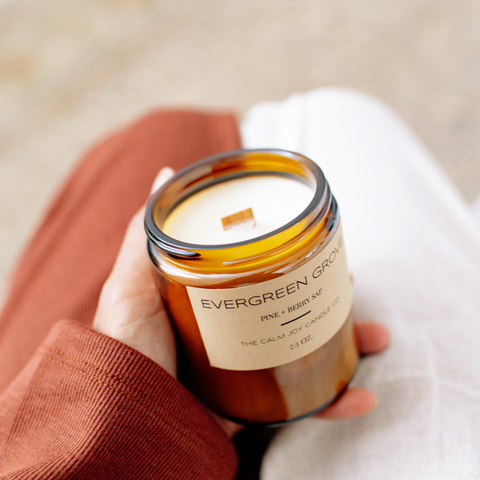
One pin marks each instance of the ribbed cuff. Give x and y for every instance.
(162, 419)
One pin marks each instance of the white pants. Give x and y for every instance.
(413, 247)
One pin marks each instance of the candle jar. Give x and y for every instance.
(263, 324)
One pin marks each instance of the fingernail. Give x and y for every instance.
(166, 173)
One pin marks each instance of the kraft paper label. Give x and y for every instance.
(278, 321)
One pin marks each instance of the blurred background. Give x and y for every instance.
(72, 71)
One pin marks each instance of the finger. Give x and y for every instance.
(353, 403)
(372, 337)
(133, 258)
(132, 274)
(229, 427)
(130, 291)
(164, 175)
(130, 307)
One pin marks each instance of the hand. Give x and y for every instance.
(130, 310)
(372, 338)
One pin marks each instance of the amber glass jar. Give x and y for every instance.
(263, 324)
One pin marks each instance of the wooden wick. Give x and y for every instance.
(244, 216)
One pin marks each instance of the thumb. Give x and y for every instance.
(130, 307)
(163, 176)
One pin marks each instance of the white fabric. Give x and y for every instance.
(476, 209)
(414, 249)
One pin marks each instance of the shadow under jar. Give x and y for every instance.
(250, 260)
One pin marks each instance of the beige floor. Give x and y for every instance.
(71, 71)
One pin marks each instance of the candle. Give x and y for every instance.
(274, 201)
(250, 259)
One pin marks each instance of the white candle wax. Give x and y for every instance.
(275, 201)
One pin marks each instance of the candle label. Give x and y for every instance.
(277, 321)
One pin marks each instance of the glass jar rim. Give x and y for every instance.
(227, 166)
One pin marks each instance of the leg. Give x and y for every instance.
(70, 256)
(414, 251)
